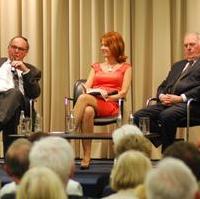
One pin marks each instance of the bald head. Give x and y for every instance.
(17, 158)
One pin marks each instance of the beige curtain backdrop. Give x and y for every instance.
(64, 38)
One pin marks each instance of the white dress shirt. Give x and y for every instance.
(6, 77)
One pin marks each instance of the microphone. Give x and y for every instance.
(13, 69)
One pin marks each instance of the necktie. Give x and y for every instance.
(185, 71)
(15, 78)
(190, 63)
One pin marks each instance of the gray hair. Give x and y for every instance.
(126, 129)
(55, 153)
(197, 34)
(171, 179)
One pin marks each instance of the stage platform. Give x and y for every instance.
(93, 180)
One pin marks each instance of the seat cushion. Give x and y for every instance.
(105, 120)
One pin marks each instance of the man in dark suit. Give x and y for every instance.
(182, 83)
(18, 84)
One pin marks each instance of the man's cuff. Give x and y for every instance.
(184, 97)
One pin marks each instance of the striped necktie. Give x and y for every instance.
(189, 65)
(15, 78)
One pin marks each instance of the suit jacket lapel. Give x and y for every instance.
(177, 74)
(2, 60)
(191, 69)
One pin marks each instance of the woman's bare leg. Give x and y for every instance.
(87, 127)
(83, 101)
(84, 112)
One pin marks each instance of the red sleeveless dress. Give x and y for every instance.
(108, 81)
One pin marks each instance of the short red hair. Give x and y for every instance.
(115, 43)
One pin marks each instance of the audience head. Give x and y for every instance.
(17, 158)
(37, 136)
(55, 153)
(171, 179)
(126, 129)
(130, 170)
(115, 42)
(188, 153)
(135, 142)
(41, 182)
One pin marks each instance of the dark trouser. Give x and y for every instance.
(163, 120)
(11, 103)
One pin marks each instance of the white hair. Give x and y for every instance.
(55, 153)
(171, 179)
(126, 129)
(197, 34)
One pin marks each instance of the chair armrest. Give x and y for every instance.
(149, 100)
(121, 105)
(69, 98)
(191, 100)
(188, 107)
(188, 116)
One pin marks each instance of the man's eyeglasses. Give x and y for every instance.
(18, 48)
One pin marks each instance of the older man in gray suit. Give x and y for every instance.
(182, 83)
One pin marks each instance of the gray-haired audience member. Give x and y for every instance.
(188, 153)
(41, 182)
(57, 154)
(124, 130)
(171, 179)
(16, 164)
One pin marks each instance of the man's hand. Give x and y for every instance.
(20, 66)
(170, 99)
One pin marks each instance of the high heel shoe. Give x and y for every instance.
(85, 164)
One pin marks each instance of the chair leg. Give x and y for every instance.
(188, 118)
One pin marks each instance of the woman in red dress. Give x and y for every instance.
(114, 74)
